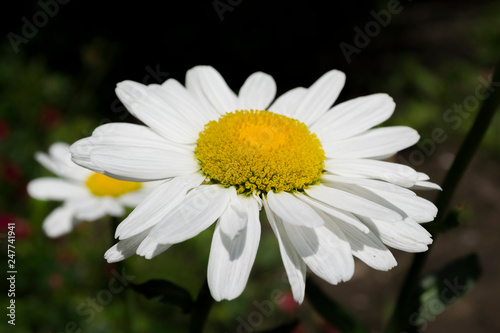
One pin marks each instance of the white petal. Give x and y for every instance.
(201, 207)
(183, 103)
(411, 206)
(320, 97)
(344, 216)
(58, 151)
(128, 135)
(118, 135)
(354, 117)
(395, 173)
(93, 208)
(47, 188)
(80, 154)
(423, 176)
(59, 222)
(424, 185)
(295, 267)
(365, 183)
(210, 88)
(132, 199)
(406, 235)
(144, 164)
(51, 165)
(257, 92)
(231, 260)
(351, 203)
(375, 143)
(287, 103)
(125, 248)
(112, 206)
(149, 248)
(148, 104)
(417, 208)
(234, 218)
(157, 205)
(59, 162)
(292, 210)
(327, 255)
(368, 248)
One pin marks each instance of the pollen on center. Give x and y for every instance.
(260, 150)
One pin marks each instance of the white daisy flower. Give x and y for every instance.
(86, 195)
(316, 170)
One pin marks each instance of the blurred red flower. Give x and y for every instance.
(22, 227)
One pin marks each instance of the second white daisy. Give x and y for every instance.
(86, 195)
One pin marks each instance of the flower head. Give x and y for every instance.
(86, 195)
(316, 170)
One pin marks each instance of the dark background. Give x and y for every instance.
(60, 84)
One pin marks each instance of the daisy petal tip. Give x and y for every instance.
(128, 85)
(112, 255)
(386, 98)
(217, 298)
(298, 299)
(341, 75)
(392, 265)
(77, 148)
(118, 234)
(122, 231)
(414, 134)
(336, 72)
(130, 92)
(425, 185)
(388, 266)
(51, 233)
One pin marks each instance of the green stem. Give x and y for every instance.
(201, 310)
(400, 319)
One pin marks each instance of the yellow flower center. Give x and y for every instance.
(260, 150)
(101, 186)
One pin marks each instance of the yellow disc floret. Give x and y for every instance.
(101, 185)
(260, 150)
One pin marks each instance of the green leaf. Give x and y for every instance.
(331, 311)
(442, 288)
(166, 292)
(285, 328)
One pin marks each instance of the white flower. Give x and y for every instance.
(317, 170)
(86, 195)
